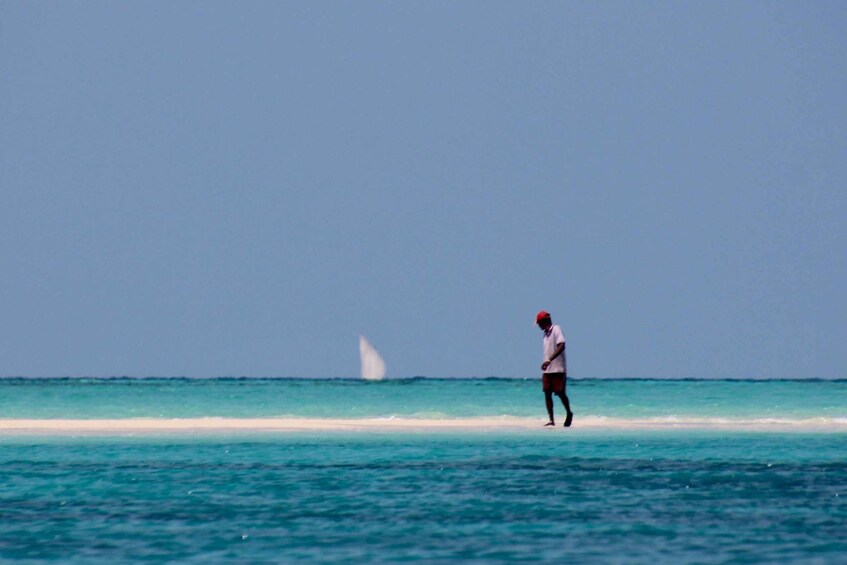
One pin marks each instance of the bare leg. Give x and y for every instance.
(567, 404)
(548, 400)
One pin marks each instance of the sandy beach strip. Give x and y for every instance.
(400, 424)
(175, 425)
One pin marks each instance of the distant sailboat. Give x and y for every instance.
(373, 367)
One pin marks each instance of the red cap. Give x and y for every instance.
(541, 316)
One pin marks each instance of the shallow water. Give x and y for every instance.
(659, 496)
(422, 398)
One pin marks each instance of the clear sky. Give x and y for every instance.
(242, 188)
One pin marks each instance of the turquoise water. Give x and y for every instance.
(422, 398)
(669, 497)
(590, 496)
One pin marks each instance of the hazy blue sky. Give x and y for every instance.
(242, 188)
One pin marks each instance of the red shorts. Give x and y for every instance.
(553, 382)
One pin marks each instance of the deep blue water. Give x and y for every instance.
(663, 496)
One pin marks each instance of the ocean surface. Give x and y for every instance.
(668, 471)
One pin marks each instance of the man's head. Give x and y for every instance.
(543, 320)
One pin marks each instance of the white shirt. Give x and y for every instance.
(553, 337)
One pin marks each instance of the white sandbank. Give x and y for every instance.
(403, 424)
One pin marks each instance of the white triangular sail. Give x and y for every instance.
(373, 367)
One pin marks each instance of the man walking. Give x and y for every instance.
(555, 367)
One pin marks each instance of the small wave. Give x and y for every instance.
(764, 423)
(395, 422)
